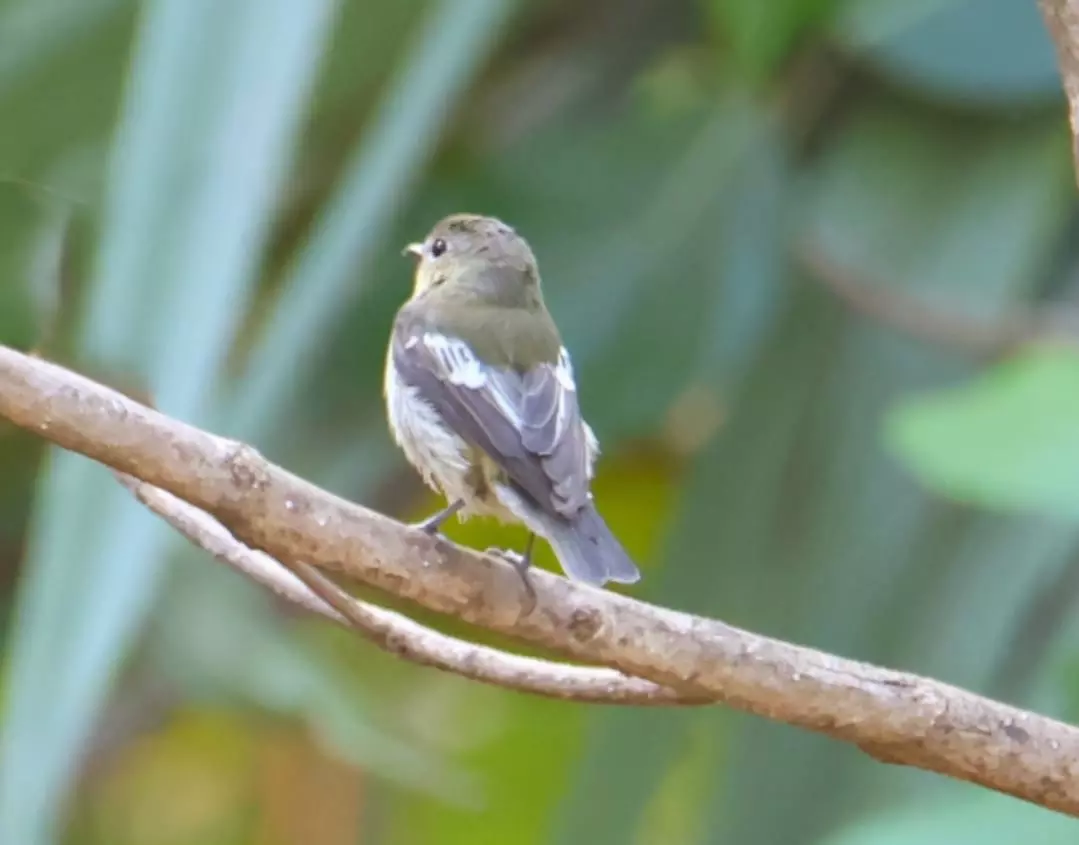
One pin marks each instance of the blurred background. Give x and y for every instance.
(815, 260)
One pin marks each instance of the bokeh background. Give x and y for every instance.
(816, 263)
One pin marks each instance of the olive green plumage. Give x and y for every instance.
(500, 336)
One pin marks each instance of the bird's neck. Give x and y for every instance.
(501, 335)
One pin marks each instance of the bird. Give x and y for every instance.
(481, 398)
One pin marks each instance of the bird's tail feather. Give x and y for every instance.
(589, 552)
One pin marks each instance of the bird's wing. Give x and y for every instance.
(528, 423)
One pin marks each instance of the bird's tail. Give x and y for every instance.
(589, 552)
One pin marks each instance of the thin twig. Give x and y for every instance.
(894, 716)
(312, 591)
(917, 317)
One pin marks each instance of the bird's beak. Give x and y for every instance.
(415, 250)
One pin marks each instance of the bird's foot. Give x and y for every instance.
(514, 559)
(522, 563)
(433, 524)
(429, 526)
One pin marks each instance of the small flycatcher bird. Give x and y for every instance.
(481, 398)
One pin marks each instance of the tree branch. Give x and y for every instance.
(894, 716)
(310, 590)
(919, 318)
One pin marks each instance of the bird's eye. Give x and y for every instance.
(438, 247)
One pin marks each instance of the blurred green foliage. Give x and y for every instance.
(1008, 439)
(208, 199)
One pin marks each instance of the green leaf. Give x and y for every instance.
(212, 109)
(1009, 439)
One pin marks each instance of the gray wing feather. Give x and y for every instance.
(528, 423)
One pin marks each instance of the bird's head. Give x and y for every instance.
(480, 258)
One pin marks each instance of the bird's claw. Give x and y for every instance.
(431, 527)
(522, 564)
(514, 559)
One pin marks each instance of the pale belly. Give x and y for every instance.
(444, 460)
